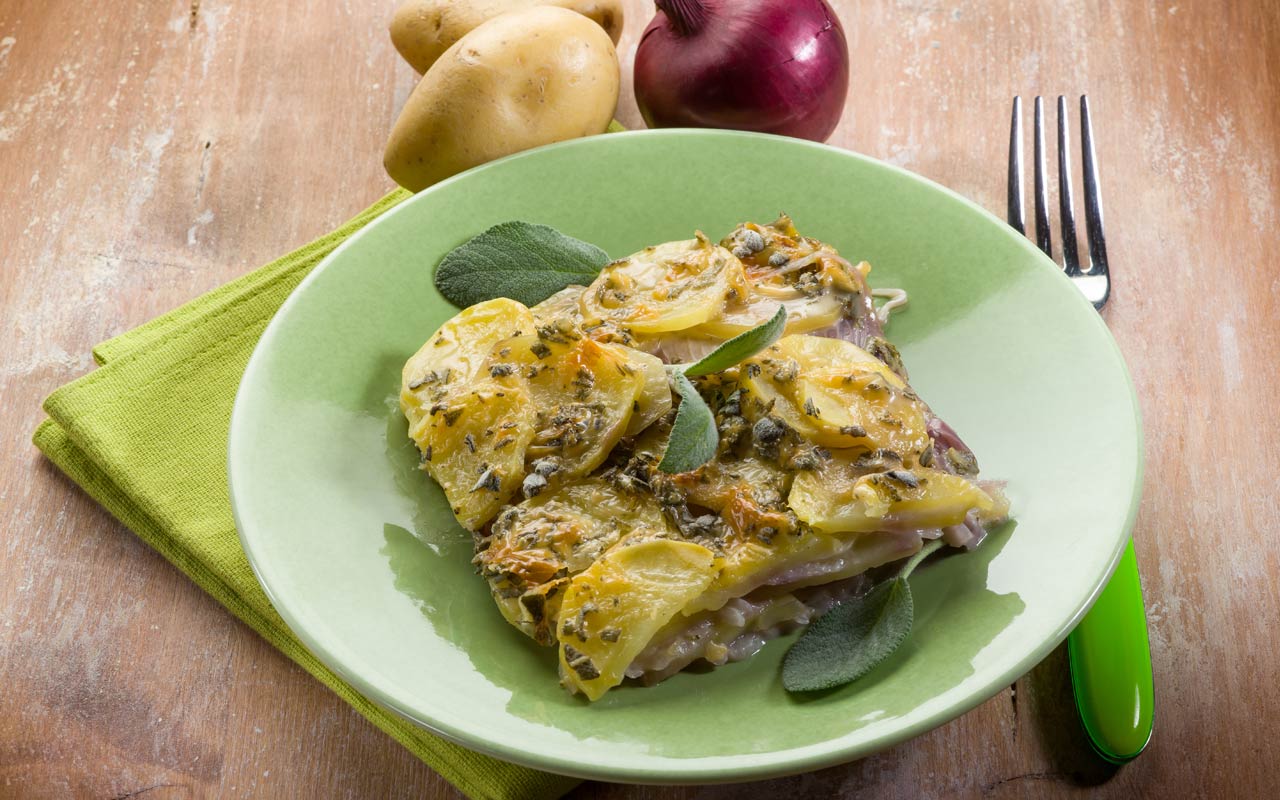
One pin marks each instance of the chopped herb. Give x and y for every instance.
(769, 430)
(786, 372)
(546, 467)
(810, 284)
(580, 663)
(584, 380)
(962, 462)
(489, 480)
(533, 484)
(536, 605)
(805, 460)
(470, 442)
(904, 477)
(884, 350)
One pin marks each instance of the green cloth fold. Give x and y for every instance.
(145, 435)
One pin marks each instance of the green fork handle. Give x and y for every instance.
(1111, 667)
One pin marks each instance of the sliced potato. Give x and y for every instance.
(456, 352)
(563, 305)
(718, 484)
(804, 314)
(474, 442)
(836, 394)
(838, 499)
(536, 545)
(748, 563)
(822, 356)
(654, 400)
(778, 260)
(613, 608)
(669, 287)
(584, 394)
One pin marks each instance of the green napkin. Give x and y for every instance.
(146, 436)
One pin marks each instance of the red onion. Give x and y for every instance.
(776, 66)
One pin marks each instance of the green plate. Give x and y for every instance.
(360, 555)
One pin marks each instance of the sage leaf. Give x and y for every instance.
(694, 438)
(519, 260)
(741, 347)
(851, 639)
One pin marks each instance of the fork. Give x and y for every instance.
(1109, 652)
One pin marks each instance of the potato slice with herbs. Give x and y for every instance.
(565, 304)
(836, 394)
(456, 352)
(654, 400)
(748, 564)
(535, 545)
(583, 393)
(804, 314)
(668, 287)
(838, 499)
(612, 610)
(824, 356)
(473, 443)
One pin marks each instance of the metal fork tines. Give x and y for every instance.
(1094, 281)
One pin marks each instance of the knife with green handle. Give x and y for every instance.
(1111, 667)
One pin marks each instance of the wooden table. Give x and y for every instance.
(151, 151)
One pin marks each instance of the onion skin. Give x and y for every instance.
(772, 66)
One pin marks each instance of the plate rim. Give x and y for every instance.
(734, 768)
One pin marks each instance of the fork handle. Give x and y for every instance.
(1110, 659)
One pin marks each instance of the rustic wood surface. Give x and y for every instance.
(150, 151)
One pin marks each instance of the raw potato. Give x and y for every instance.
(520, 80)
(423, 29)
